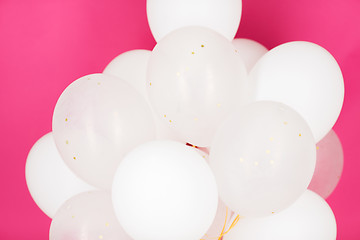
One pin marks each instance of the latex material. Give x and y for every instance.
(263, 157)
(165, 190)
(96, 121)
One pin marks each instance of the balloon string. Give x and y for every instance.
(233, 224)
(223, 229)
(223, 232)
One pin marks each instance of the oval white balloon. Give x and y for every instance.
(97, 120)
(250, 51)
(49, 180)
(310, 218)
(222, 16)
(329, 165)
(263, 157)
(304, 76)
(195, 78)
(131, 67)
(87, 216)
(164, 190)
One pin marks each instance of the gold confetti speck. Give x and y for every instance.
(164, 115)
(236, 50)
(66, 119)
(285, 123)
(218, 105)
(107, 224)
(317, 147)
(170, 121)
(74, 158)
(272, 212)
(192, 53)
(271, 139)
(72, 216)
(299, 134)
(150, 84)
(256, 163)
(98, 83)
(202, 45)
(195, 119)
(241, 160)
(267, 151)
(67, 142)
(101, 237)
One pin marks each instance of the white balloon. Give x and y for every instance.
(304, 76)
(49, 180)
(87, 216)
(263, 157)
(329, 165)
(222, 16)
(131, 66)
(250, 51)
(164, 190)
(97, 120)
(195, 78)
(310, 218)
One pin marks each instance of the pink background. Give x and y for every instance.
(45, 45)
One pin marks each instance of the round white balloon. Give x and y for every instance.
(87, 216)
(164, 190)
(49, 180)
(329, 165)
(250, 51)
(263, 157)
(96, 121)
(195, 78)
(310, 218)
(222, 16)
(131, 67)
(304, 76)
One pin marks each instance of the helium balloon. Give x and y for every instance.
(222, 16)
(195, 78)
(49, 180)
(329, 165)
(97, 120)
(263, 157)
(304, 76)
(164, 190)
(87, 216)
(310, 218)
(131, 67)
(250, 51)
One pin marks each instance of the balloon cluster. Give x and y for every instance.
(118, 165)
